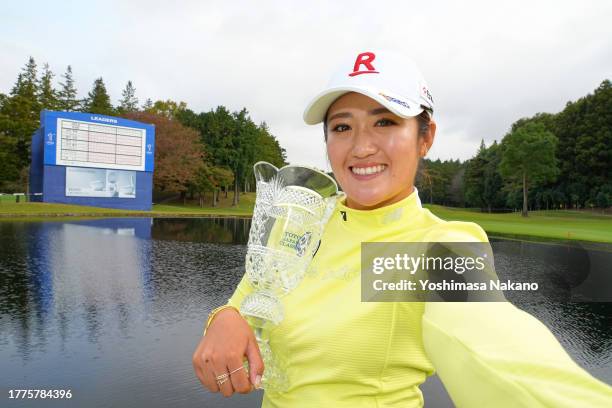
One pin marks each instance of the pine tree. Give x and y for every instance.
(27, 83)
(148, 105)
(474, 177)
(98, 100)
(129, 101)
(68, 94)
(47, 96)
(19, 115)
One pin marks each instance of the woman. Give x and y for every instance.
(342, 352)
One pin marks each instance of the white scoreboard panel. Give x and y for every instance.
(89, 144)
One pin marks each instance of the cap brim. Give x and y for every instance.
(318, 106)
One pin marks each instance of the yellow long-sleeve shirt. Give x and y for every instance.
(342, 352)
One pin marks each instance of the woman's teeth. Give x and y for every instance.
(368, 170)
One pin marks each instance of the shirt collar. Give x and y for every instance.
(405, 209)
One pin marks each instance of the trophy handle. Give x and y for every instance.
(264, 171)
(308, 178)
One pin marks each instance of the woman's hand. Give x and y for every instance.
(228, 339)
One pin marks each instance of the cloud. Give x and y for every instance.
(487, 63)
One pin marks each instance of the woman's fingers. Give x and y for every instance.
(239, 376)
(203, 369)
(256, 364)
(224, 384)
(209, 378)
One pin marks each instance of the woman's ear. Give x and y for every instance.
(428, 138)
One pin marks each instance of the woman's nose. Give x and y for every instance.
(363, 143)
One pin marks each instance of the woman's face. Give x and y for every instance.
(373, 153)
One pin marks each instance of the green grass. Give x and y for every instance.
(11, 210)
(8, 198)
(566, 224)
(224, 207)
(563, 224)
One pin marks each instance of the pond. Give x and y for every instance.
(113, 309)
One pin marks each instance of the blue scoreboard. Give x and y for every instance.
(91, 159)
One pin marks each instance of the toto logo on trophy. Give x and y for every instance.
(292, 206)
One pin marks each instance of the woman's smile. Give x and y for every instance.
(367, 171)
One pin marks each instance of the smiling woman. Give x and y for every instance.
(342, 351)
(374, 152)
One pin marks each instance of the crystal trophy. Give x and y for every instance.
(292, 206)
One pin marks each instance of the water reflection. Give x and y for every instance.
(213, 230)
(118, 305)
(69, 271)
(568, 273)
(574, 271)
(113, 305)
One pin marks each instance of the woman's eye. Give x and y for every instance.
(340, 128)
(385, 122)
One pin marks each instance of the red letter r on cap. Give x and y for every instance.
(365, 58)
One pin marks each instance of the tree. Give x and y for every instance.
(603, 201)
(47, 95)
(493, 183)
(129, 101)
(178, 153)
(202, 183)
(148, 105)
(584, 130)
(212, 178)
(428, 179)
(217, 130)
(97, 100)
(234, 142)
(475, 176)
(267, 147)
(167, 108)
(439, 181)
(9, 164)
(19, 114)
(243, 143)
(223, 177)
(68, 101)
(27, 82)
(528, 155)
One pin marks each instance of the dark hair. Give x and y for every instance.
(424, 118)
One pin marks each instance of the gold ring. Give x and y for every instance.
(233, 371)
(222, 376)
(222, 381)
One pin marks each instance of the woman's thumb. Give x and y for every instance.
(256, 365)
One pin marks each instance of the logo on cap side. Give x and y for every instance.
(426, 94)
(365, 58)
(395, 100)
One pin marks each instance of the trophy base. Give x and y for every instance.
(263, 309)
(274, 377)
(263, 305)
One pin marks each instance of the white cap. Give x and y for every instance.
(392, 79)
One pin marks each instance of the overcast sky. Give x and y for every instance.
(487, 63)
